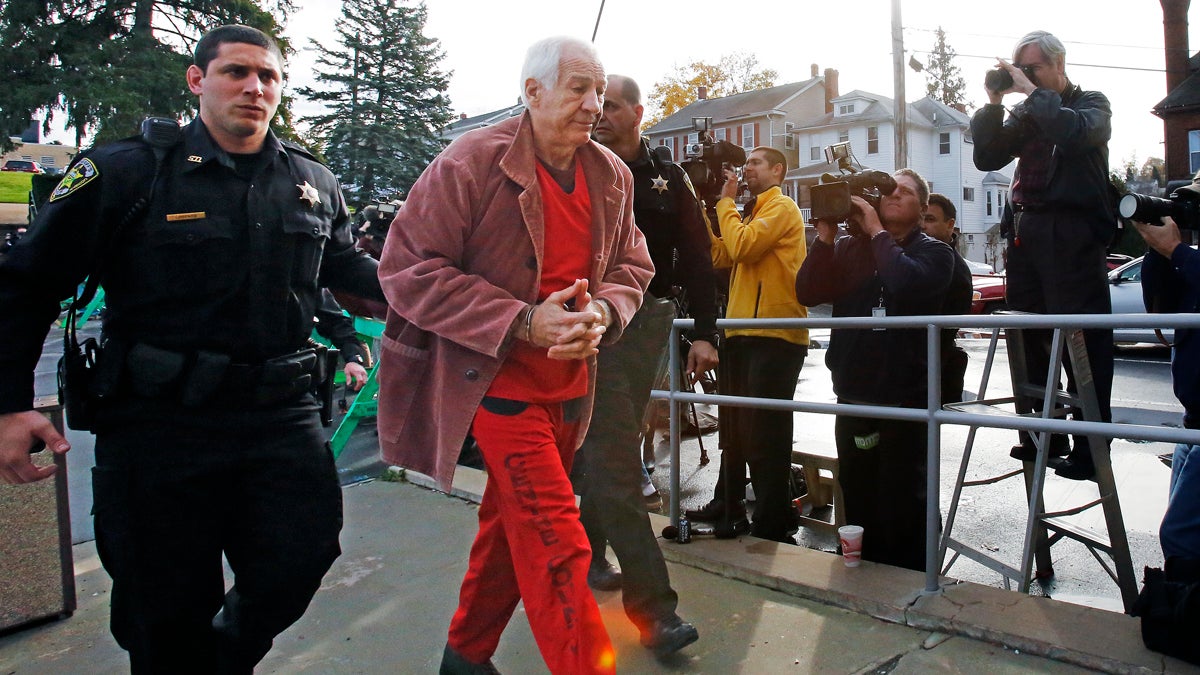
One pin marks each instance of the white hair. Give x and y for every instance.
(1052, 48)
(543, 57)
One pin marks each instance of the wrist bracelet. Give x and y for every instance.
(529, 324)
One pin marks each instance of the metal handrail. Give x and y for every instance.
(933, 414)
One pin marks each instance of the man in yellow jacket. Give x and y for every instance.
(764, 250)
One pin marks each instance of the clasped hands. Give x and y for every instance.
(569, 333)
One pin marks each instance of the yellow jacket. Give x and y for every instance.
(765, 253)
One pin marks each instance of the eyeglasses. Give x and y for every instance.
(1030, 68)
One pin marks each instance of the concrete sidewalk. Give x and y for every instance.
(760, 607)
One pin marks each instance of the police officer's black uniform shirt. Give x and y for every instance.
(220, 261)
(668, 214)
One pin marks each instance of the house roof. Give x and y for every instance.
(726, 108)
(1181, 98)
(464, 125)
(924, 112)
(997, 178)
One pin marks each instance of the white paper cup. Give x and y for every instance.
(851, 537)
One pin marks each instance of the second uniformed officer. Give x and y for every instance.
(608, 473)
(208, 441)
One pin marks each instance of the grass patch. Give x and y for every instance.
(14, 187)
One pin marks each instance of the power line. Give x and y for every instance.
(1073, 64)
(1014, 39)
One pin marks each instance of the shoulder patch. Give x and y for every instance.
(80, 175)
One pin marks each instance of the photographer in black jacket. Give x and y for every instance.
(1062, 215)
(891, 269)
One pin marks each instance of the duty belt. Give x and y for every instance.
(211, 378)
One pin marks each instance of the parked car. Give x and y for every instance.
(22, 165)
(1125, 290)
(988, 297)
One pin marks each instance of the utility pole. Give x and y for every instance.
(901, 112)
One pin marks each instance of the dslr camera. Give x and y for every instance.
(705, 161)
(997, 80)
(1182, 205)
(377, 218)
(831, 197)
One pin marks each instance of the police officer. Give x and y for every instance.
(608, 472)
(207, 439)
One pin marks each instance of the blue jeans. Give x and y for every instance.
(1180, 530)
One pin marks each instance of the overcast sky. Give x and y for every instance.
(1117, 52)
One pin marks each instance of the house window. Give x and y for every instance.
(872, 140)
(693, 137)
(988, 201)
(814, 153)
(843, 135)
(968, 194)
(846, 109)
(721, 134)
(789, 141)
(748, 136)
(47, 160)
(944, 144)
(1194, 150)
(669, 141)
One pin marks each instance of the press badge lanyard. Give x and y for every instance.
(879, 311)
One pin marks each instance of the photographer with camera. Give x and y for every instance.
(764, 250)
(1062, 216)
(1171, 283)
(890, 268)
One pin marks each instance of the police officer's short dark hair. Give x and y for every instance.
(948, 210)
(210, 44)
(627, 89)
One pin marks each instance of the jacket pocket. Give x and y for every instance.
(308, 233)
(403, 370)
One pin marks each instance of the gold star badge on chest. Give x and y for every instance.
(659, 183)
(309, 194)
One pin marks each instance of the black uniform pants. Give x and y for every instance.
(175, 489)
(882, 468)
(762, 367)
(1059, 268)
(608, 470)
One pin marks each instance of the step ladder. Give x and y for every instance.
(1044, 529)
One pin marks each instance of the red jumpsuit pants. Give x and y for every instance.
(531, 545)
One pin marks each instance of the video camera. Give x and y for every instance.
(377, 218)
(1183, 205)
(705, 161)
(831, 197)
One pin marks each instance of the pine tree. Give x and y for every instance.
(944, 80)
(108, 65)
(384, 96)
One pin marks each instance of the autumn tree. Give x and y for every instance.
(943, 78)
(734, 74)
(109, 64)
(384, 96)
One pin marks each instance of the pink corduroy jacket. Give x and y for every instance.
(462, 259)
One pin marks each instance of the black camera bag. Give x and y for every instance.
(1169, 606)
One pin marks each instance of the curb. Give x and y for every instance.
(1082, 636)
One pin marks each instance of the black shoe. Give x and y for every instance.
(453, 663)
(715, 510)
(667, 636)
(1059, 447)
(602, 576)
(1078, 466)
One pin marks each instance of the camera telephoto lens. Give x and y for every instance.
(998, 79)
